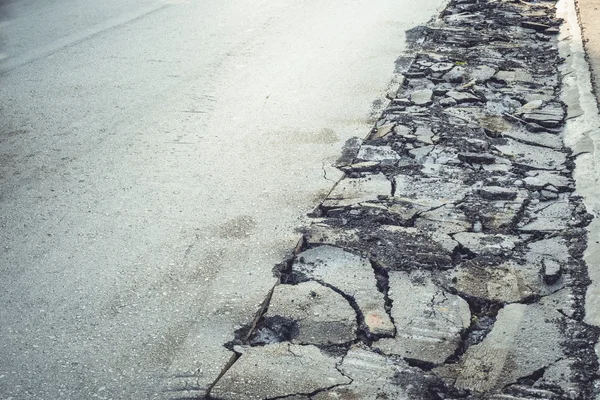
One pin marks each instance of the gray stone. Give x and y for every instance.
(422, 97)
(429, 320)
(509, 282)
(546, 195)
(497, 193)
(322, 315)
(448, 102)
(402, 130)
(550, 116)
(541, 179)
(383, 154)
(518, 75)
(555, 247)
(353, 191)
(351, 274)
(375, 377)
(456, 74)
(524, 339)
(442, 88)
(552, 271)
(381, 132)
(559, 374)
(502, 213)
(446, 219)
(463, 97)
(532, 156)
(421, 153)
(442, 67)
(562, 300)
(540, 139)
(529, 107)
(278, 370)
(402, 102)
(482, 73)
(548, 217)
(482, 243)
(430, 191)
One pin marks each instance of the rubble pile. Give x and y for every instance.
(447, 263)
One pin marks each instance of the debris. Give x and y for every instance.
(321, 316)
(428, 320)
(272, 371)
(351, 275)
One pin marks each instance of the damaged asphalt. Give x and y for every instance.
(447, 263)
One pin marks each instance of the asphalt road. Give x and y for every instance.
(156, 158)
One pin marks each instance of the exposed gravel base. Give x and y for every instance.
(454, 237)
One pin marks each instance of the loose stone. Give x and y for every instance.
(422, 97)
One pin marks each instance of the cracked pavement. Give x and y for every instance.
(456, 237)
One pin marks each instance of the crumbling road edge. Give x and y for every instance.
(448, 262)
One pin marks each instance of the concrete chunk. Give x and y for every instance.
(430, 192)
(428, 320)
(383, 154)
(463, 97)
(497, 193)
(278, 370)
(524, 339)
(422, 97)
(351, 191)
(351, 274)
(533, 156)
(481, 243)
(552, 217)
(375, 377)
(322, 316)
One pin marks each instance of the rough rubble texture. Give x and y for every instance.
(454, 238)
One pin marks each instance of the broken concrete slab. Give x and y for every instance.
(463, 97)
(430, 191)
(482, 243)
(351, 191)
(550, 116)
(321, 316)
(429, 320)
(273, 371)
(537, 139)
(481, 73)
(351, 275)
(510, 77)
(508, 282)
(382, 154)
(547, 217)
(456, 74)
(376, 377)
(532, 156)
(422, 97)
(447, 219)
(524, 339)
(554, 247)
(541, 179)
(498, 193)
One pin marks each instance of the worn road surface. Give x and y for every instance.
(155, 159)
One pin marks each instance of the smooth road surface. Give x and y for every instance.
(156, 160)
